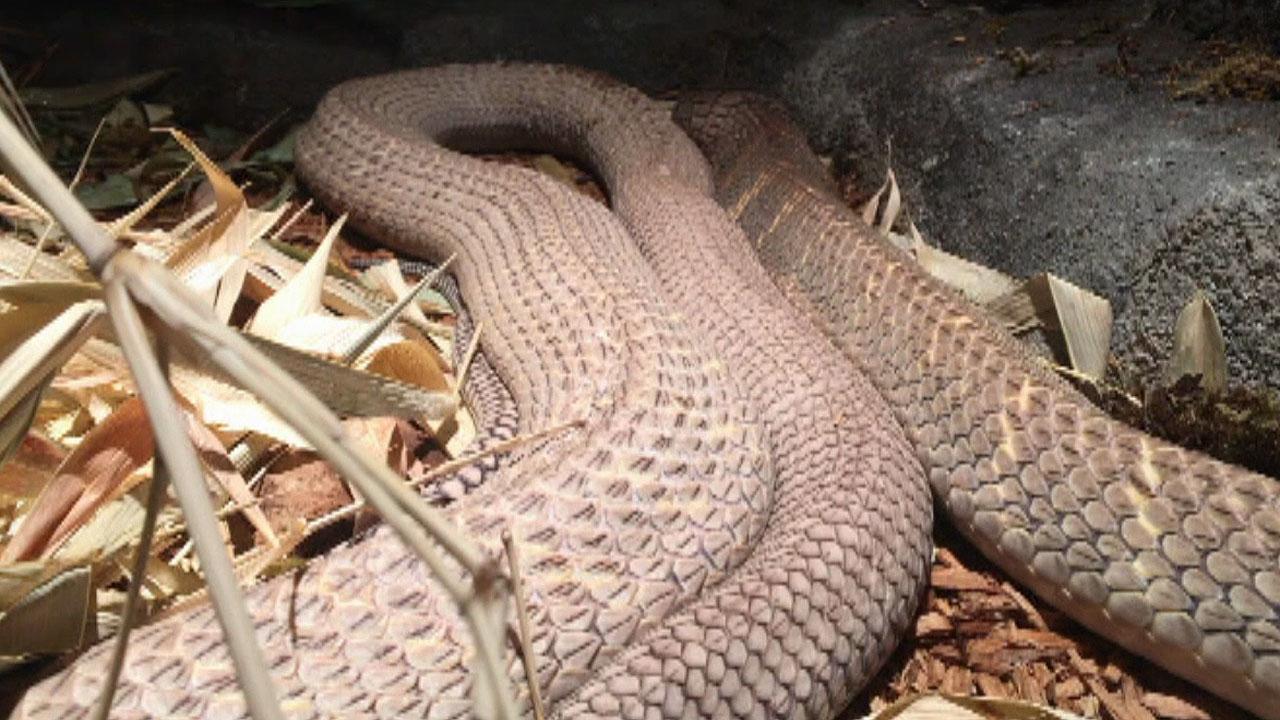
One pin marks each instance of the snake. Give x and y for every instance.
(769, 400)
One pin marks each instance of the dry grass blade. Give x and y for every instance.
(15, 254)
(468, 357)
(40, 355)
(61, 608)
(1083, 318)
(290, 221)
(12, 105)
(24, 201)
(300, 296)
(1198, 345)
(388, 277)
(188, 480)
(524, 641)
(375, 328)
(155, 494)
(872, 205)
(219, 243)
(979, 283)
(349, 391)
(118, 227)
(1086, 320)
(892, 205)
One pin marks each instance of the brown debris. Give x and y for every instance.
(976, 634)
(1230, 70)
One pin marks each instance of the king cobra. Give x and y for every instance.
(740, 527)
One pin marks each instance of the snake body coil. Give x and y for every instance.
(740, 527)
(1171, 554)
(737, 530)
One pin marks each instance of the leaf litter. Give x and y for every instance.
(77, 447)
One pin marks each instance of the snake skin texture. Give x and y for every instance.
(1172, 554)
(738, 529)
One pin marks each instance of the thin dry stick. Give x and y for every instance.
(123, 224)
(58, 202)
(231, 508)
(447, 468)
(291, 221)
(175, 447)
(375, 328)
(137, 575)
(470, 355)
(522, 616)
(13, 103)
(48, 229)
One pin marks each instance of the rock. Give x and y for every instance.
(1029, 137)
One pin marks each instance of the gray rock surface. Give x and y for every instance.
(1033, 138)
(1076, 161)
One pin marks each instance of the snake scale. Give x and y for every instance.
(740, 527)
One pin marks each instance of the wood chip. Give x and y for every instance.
(932, 622)
(959, 579)
(1169, 707)
(1072, 687)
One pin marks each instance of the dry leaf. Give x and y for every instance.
(1083, 318)
(979, 283)
(1198, 345)
(1173, 708)
(24, 474)
(63, 610)
(352, 392)
(216, 462)
(410, 362)
(94, 472)
(300, 296)
(212, 262)
(388, 277)
(330, 336)
(892, 205)
(111, 530)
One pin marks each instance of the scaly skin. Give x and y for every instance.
(1170, 553)
(739, 529)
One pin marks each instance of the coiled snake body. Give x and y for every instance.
(741, 526)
